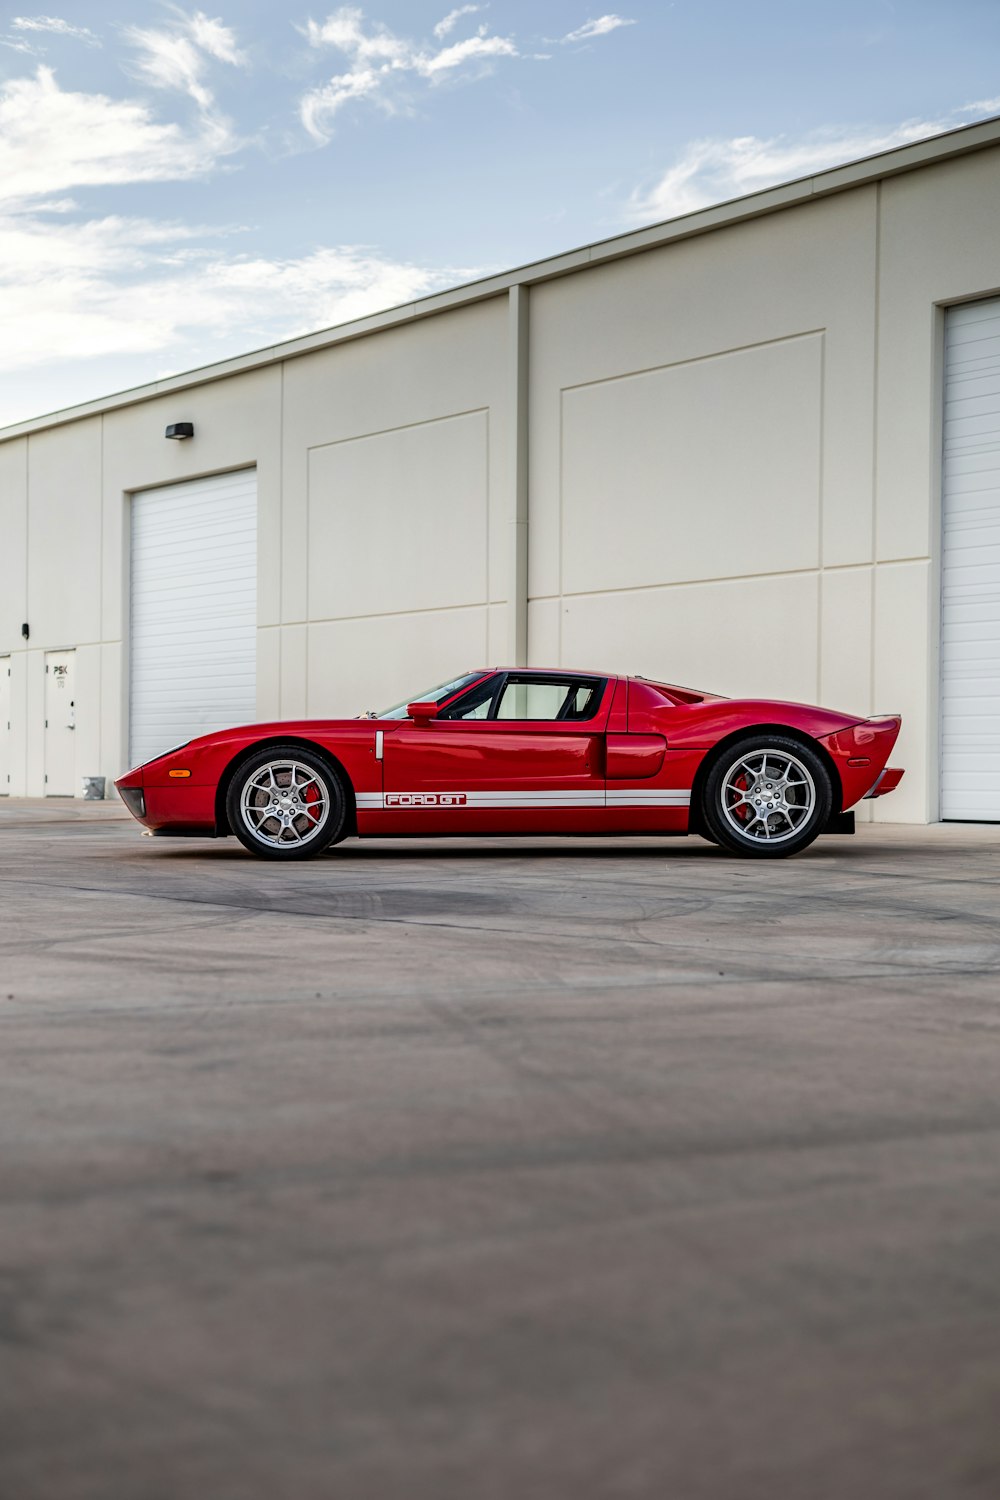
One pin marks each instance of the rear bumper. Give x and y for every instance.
(859, 753)
(885, 783)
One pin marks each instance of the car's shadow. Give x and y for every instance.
(370, 851)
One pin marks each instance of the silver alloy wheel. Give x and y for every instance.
(768, 795)
(285, 804)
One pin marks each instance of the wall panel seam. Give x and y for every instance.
(360, 437)
(696, 359)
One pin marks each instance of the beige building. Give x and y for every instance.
(755, 449)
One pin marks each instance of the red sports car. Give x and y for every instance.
(516, 751)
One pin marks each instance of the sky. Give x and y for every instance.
(178, 185)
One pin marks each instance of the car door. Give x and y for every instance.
(522, 753)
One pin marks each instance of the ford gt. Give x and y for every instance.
(518, 751)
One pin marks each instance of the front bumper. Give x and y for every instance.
(167, 806)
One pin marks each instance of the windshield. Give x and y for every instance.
(439, 694)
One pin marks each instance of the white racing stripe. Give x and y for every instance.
(648, 799)
(528, 801)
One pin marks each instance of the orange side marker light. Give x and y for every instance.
(178, 775)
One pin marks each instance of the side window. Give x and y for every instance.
(475, 704)
(557, 698)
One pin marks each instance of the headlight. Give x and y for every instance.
(134, 799)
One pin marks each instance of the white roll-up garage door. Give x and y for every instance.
(970, 594)
(193, 643)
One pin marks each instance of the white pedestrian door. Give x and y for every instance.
(193, 642)
(60, 724)
(4, 726)
(970, 578)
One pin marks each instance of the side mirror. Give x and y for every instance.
(422, 713)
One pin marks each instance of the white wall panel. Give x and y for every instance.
(703, 470)
(268, 671)
(6, 708)
(497, 637)
(355, 665)
(901, 681)
(13, 542)
(543, 632)
(64, 535)
(398, 520)
(114, 712)
(294, 654)
(407, 378)
(789, 275)
(193, 638)
(846, 635)
(733, 638)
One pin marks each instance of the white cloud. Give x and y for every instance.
(122, 293)
(462, 52)
(53, 139)
(118, 286)
(379, 60)
(981, 107)
(171, 61)
(56, 26)
(217, 40)
(319, 106)
(447, 23)
(345, 30)
(179, 58)
(716, 170)
(599, 27)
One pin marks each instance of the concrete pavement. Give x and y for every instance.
(535, 1169)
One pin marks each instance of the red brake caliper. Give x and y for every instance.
(743, 811)
(311, 794)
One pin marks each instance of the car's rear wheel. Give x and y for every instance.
(286, 802)
(767, 797)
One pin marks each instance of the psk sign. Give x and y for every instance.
(425, 799)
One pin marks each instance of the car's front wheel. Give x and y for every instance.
(767, 797)
(286, 802)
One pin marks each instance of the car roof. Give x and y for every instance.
(553, 671)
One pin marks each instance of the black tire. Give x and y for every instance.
(766, 809)
(306, 795)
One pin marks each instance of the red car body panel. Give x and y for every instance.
(630, 768)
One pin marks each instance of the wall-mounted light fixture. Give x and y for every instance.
(25, 632)
(180, 430)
